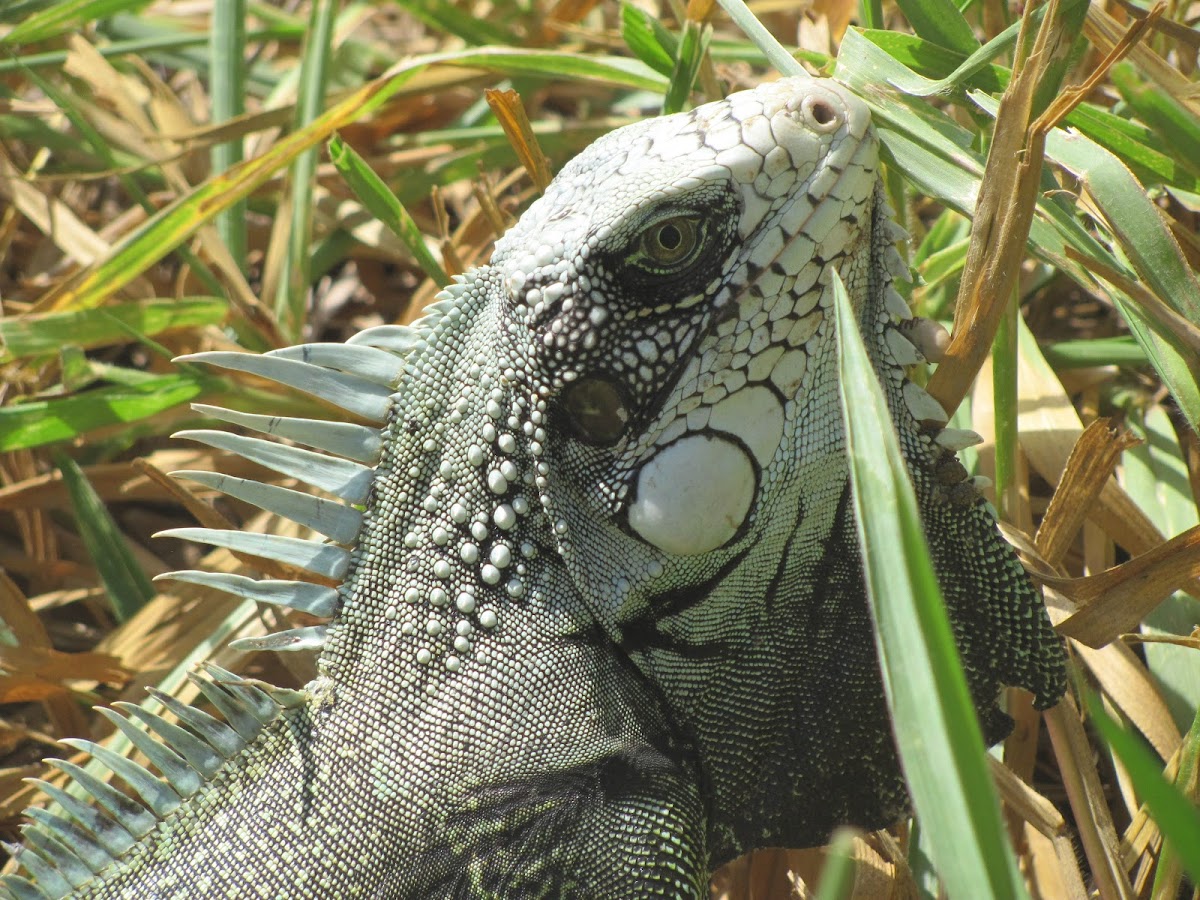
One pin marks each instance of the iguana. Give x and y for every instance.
(601, 623)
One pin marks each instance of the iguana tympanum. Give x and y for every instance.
(601, 623)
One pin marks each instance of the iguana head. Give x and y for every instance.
(671, 286)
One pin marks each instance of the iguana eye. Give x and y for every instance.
(671, 245)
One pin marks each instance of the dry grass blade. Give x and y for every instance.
(121, 480)
(1114, 601)
(1128, 685)
(488, 206)
(170, 227)
(1034, 809)
(1191, 642)
(880, 870)
(1007, 199)
(1088, 469)
(1186, 334)
(562, 14)
(42, 671)
(53, 218)
(1049, 429)
(1106, 33)
(1003, 214)
(1142, 837)
(1084, 789)
(61, 709)
(202, 512)
(510, 111)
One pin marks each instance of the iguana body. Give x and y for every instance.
(602, 626)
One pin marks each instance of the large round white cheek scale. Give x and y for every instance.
(694, 495)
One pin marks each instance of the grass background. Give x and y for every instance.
(186, 175)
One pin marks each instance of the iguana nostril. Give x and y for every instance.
(822, 112)
(821, 115)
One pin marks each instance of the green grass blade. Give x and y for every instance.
(870, 13)
(837, 875)
(174, 224)
(1114, 351)
(977, 61)
(936, 155)
(941, 22)
(1177, 127)
(1146, 241)
(692, 46)
(96, 142)
(941, 71)
(69, 15)
(936, 62)
(227, 94)
(291, 299)
(445, 17)
(1168, 876)
(937, 734)
(127, 586)
(384, 205)
(774, 51)
(647, 42)
(616, 70)
(1134, 218)
(17, 10)
(39, 422)
(1155, 474)
(1152, 159)
(170, 227)
(167, 43)
(920, 864)
(38, 333)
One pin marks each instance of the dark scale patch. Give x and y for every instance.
(998, 619)
(797, 716)
(618, 820)
(949, 471)
(646, 630)
(596, 411)
(537, 837)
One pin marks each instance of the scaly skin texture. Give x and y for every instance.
(604, 626)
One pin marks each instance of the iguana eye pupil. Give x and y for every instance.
(669, 237)
(596, 410)
(673, 243)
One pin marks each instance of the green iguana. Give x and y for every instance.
(601, 623)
